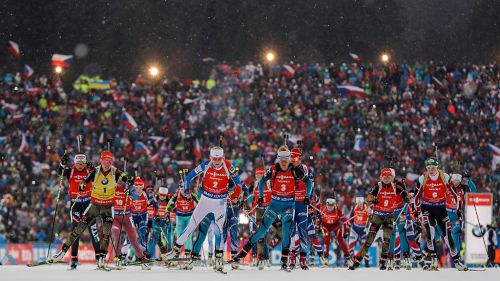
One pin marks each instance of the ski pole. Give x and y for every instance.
(55, 213)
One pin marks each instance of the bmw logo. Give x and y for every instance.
(104, 181)
(478, 231)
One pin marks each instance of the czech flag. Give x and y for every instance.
(13, 48)
(197, 149)
(359, 143)
(288, 71)
(349, 90)
(27, 71)
(128, 120)
(355, 57)
(141, 148)
(61, 60)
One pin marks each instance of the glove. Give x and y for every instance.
(466, 174)
(241, 204)
(130, 180)
(260, 201)
(82, 186)
(375, 201)
(64, 159)
(307, 201)
(460, 215)
(90, 165)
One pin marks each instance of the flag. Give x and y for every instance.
(99, 85)
(189, 101)
(39, 168)
(411, 178)
(359, 143)
(24, 148)
(27, 71)
(197, 149)
(288, 71)
(141, 148)
(208, 59)
(156, 139)
(9, 106)
(348, 90)
(17, 117)
(355, 57)
(13, 48)
(185, 163)
(101, 138)
(32, 91)
(61, 60)
(495, 153)
(128, 120)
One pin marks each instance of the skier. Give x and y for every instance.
(159, 221)
(183, 204)
(383, 196)
(122, 220)
(235, 203)
(357, 234)
(80, 200)
(333, 220)
(300, 222)
(284, 176)
(431, 198)
(261, 249)
(104, 180)
(140, 213)
(216, 183)
(455, 209)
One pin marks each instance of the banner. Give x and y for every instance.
(475, 252)
(28, 253)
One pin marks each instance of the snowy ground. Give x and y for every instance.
(87, 273)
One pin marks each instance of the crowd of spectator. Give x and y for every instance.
(404, 110)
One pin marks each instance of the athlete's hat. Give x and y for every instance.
(330, 201)
(216, 152)
(456, 177)
(296, 152)
(259, 171)
(138, 182)
(163, 190)
(431, 162)
(80, 158)
(387, 172)
(283, 153)
(106, 155)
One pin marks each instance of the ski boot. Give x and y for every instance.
(195, 260)
(211, 259)
(118, 261)
(101, 261)
(406, 263)
(219, 260)
(234, 265)
(255, 261)
(284, 263)
(73, 263)
(293, 260)
(397, 264)
(174, 253)
(367, 262)
(303, 262)
(460, 266)
(353, 263)
(383, 263)
(389, 264)
(144, 266)
(324, 258)
(419, 259)
(59, 255)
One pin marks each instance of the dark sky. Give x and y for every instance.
(123, 36)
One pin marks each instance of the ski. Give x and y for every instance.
(45, 263)
(476, 269)
(156, 261)
(220, 270)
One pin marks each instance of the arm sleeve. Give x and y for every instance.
(472, 186)
(191, 175)
(171, 203)
(263, 181)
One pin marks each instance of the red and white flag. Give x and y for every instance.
(13, 48)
